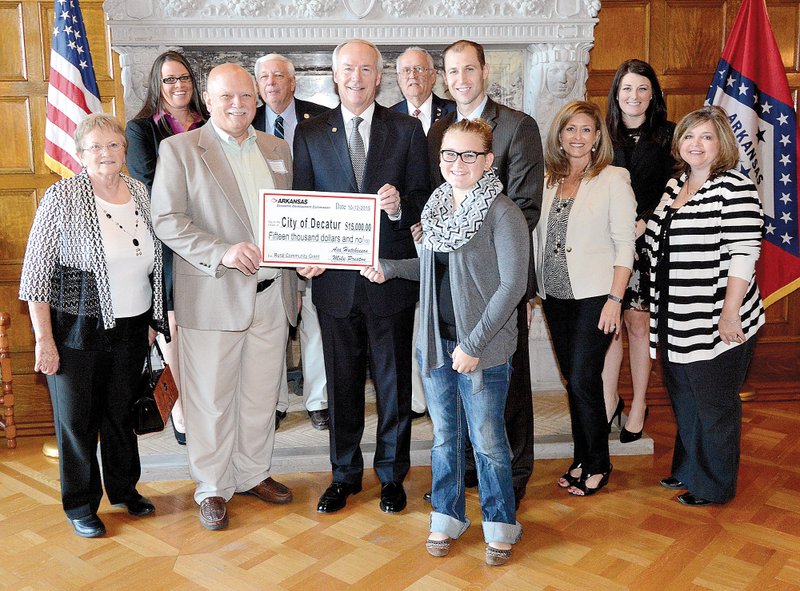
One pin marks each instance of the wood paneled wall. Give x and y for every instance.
(682, 39)
(26, 30)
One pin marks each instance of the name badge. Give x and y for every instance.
(277, 166)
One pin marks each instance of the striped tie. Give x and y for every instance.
(416, 113)
(358, 155)
(278, 131)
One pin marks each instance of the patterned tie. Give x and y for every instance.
(358, 155)
(416, 113)
(278, 131)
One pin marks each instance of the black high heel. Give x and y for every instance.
(626, 436)
(617, 414)
(568, 477)
(585, 490)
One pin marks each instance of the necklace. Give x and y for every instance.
(134, 240)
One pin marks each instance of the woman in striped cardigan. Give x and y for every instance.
(703, 240)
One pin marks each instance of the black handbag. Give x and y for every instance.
(157, 395)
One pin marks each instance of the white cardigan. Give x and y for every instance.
(600, 234)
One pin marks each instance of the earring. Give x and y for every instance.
(594, 148)
(561, 148)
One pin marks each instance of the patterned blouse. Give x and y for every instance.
(555, 271)
(65, 264)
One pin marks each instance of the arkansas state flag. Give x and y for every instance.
(751, 85)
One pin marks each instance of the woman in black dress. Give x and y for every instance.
(641, 136)
(172, 106)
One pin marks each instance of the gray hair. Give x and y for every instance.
(94, 121)
(365, 42)
(420, 50)
(274, 57)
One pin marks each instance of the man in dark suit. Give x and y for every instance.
(354, 314)
(276, 85)
(279, 116)
(416, 77)
(519, 162)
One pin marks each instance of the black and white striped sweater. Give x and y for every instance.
(716, 234)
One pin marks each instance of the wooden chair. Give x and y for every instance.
(7, 392)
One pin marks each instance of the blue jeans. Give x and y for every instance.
(454, 407)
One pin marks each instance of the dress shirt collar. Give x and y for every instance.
(229, 139)
(477, 112)
(425, 111)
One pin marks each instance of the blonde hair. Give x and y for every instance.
(478, 127)
(94, 121)
(555, 160)
(728, 156)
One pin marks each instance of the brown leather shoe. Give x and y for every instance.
(213, 513)
(271, 491)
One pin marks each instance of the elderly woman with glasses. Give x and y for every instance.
(92, 277)
(473, 271)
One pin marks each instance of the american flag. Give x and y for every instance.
(751, 85)
(72, 93)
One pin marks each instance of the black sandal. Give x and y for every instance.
(568, 477)
(585, 490)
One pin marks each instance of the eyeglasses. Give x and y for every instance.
(174, 79)
(418, 70)
(97, 148)
(469, 157)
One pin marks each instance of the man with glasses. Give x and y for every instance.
(519, 163)
(416, 77)
(279, 116)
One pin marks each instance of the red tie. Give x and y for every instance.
(416, 113)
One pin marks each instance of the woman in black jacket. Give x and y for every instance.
(172, 106)
(641, 137)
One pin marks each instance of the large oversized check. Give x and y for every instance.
(332, 230)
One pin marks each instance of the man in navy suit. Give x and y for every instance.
(276, 85)
(279, 116)
(355, 314)
(519, 163)
(416, 76)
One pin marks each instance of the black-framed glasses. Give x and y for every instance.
(174, 79)
(418, 70)
(468, 157)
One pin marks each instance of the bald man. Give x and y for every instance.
(234, 316)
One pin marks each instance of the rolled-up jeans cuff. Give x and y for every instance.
(450, 526)
(506, 533)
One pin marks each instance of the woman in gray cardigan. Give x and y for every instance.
(472, 272)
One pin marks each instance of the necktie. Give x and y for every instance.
(278, 131)
(416, 113)
(358, 155)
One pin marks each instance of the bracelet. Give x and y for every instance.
(614, 298)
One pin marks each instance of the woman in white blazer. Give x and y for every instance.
(584, 248)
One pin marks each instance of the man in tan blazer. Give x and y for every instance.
(234, 316)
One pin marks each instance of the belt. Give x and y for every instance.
(262, 285)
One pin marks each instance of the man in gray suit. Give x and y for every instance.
(519, 163)
(234, 316)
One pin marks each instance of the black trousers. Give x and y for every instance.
(92, 394)
(708, 411)
(580, 348)
(346, 343)
(519, 411)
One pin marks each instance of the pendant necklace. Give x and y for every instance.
(134, 240)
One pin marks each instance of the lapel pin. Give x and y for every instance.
(306, 116)
(334, 130)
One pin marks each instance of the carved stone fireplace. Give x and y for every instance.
(538, 52)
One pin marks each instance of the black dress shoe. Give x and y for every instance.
(693, 501)
(335, 496)
(427, 496)
(138, 508)
(279, 416)
(671, 482)
(418, 415)
(88, 527)
(319, 419)
(393, 497)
